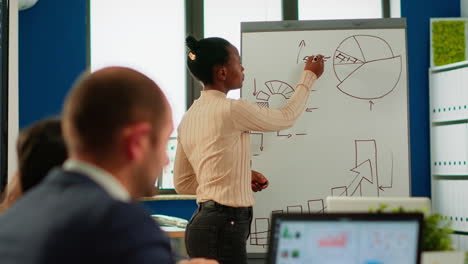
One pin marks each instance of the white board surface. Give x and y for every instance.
(352, 139)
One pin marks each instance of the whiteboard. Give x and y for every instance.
(352, 139)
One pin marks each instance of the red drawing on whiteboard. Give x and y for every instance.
(279, 135)
(389, 186)
(260, 228)
(301, 45)
(366, 67)
(255, 88)
(363, 172)
(325, 58)
(366, 169)
(259, 236)
(316, 206)
(339, 191)
(365, 181)
(261, 138)
(275, 95)
(294, 209)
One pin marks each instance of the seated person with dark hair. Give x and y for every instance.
(39, 148)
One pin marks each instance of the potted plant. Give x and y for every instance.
(437, 244)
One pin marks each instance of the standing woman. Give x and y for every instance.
(213, 152)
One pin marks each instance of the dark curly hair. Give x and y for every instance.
(204, 54)
(40, 147)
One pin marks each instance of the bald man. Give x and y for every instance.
(116, 124)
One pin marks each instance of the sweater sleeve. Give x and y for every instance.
(185, 181)
(248, 116)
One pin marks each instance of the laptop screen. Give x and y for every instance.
(345, 239)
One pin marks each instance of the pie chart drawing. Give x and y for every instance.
(366, 67)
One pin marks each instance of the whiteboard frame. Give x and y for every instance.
(338, 24)
(344, 24)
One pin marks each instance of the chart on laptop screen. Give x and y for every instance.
(347, 243)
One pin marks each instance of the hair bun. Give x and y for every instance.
(192, 43)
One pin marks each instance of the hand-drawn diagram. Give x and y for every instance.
(316, 206)
(325, 58)
(261, 226)
(366, 67)
(294, 209)
(275, 95)
(365, 182)
(259, 236)
(365, 171)
(366, 179)
(302, 44)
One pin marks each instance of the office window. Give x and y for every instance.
(147, 35)
(339, 9)
(395, 8)
(223, 18)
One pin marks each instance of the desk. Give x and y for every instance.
(176, 235)
(162, 197)
(174, 232)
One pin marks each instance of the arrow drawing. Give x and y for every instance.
(381, 187)
(366, 151)
(279, 135)
(311, 109)
(371, 104)
(363, 172)
(255, 88)
(301, 45)
(261, 139)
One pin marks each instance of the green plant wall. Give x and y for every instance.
(448, 42)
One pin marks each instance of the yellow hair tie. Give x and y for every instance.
(192, 56)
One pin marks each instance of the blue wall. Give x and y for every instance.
(178, 208)
(417, 13)
(52, 53)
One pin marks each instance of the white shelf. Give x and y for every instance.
(449, 94)
(449, 142)
(451, 66)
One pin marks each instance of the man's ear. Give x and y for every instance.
(220, 72)
(136, 140)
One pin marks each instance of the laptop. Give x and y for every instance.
(354, 238)
(364, 204)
